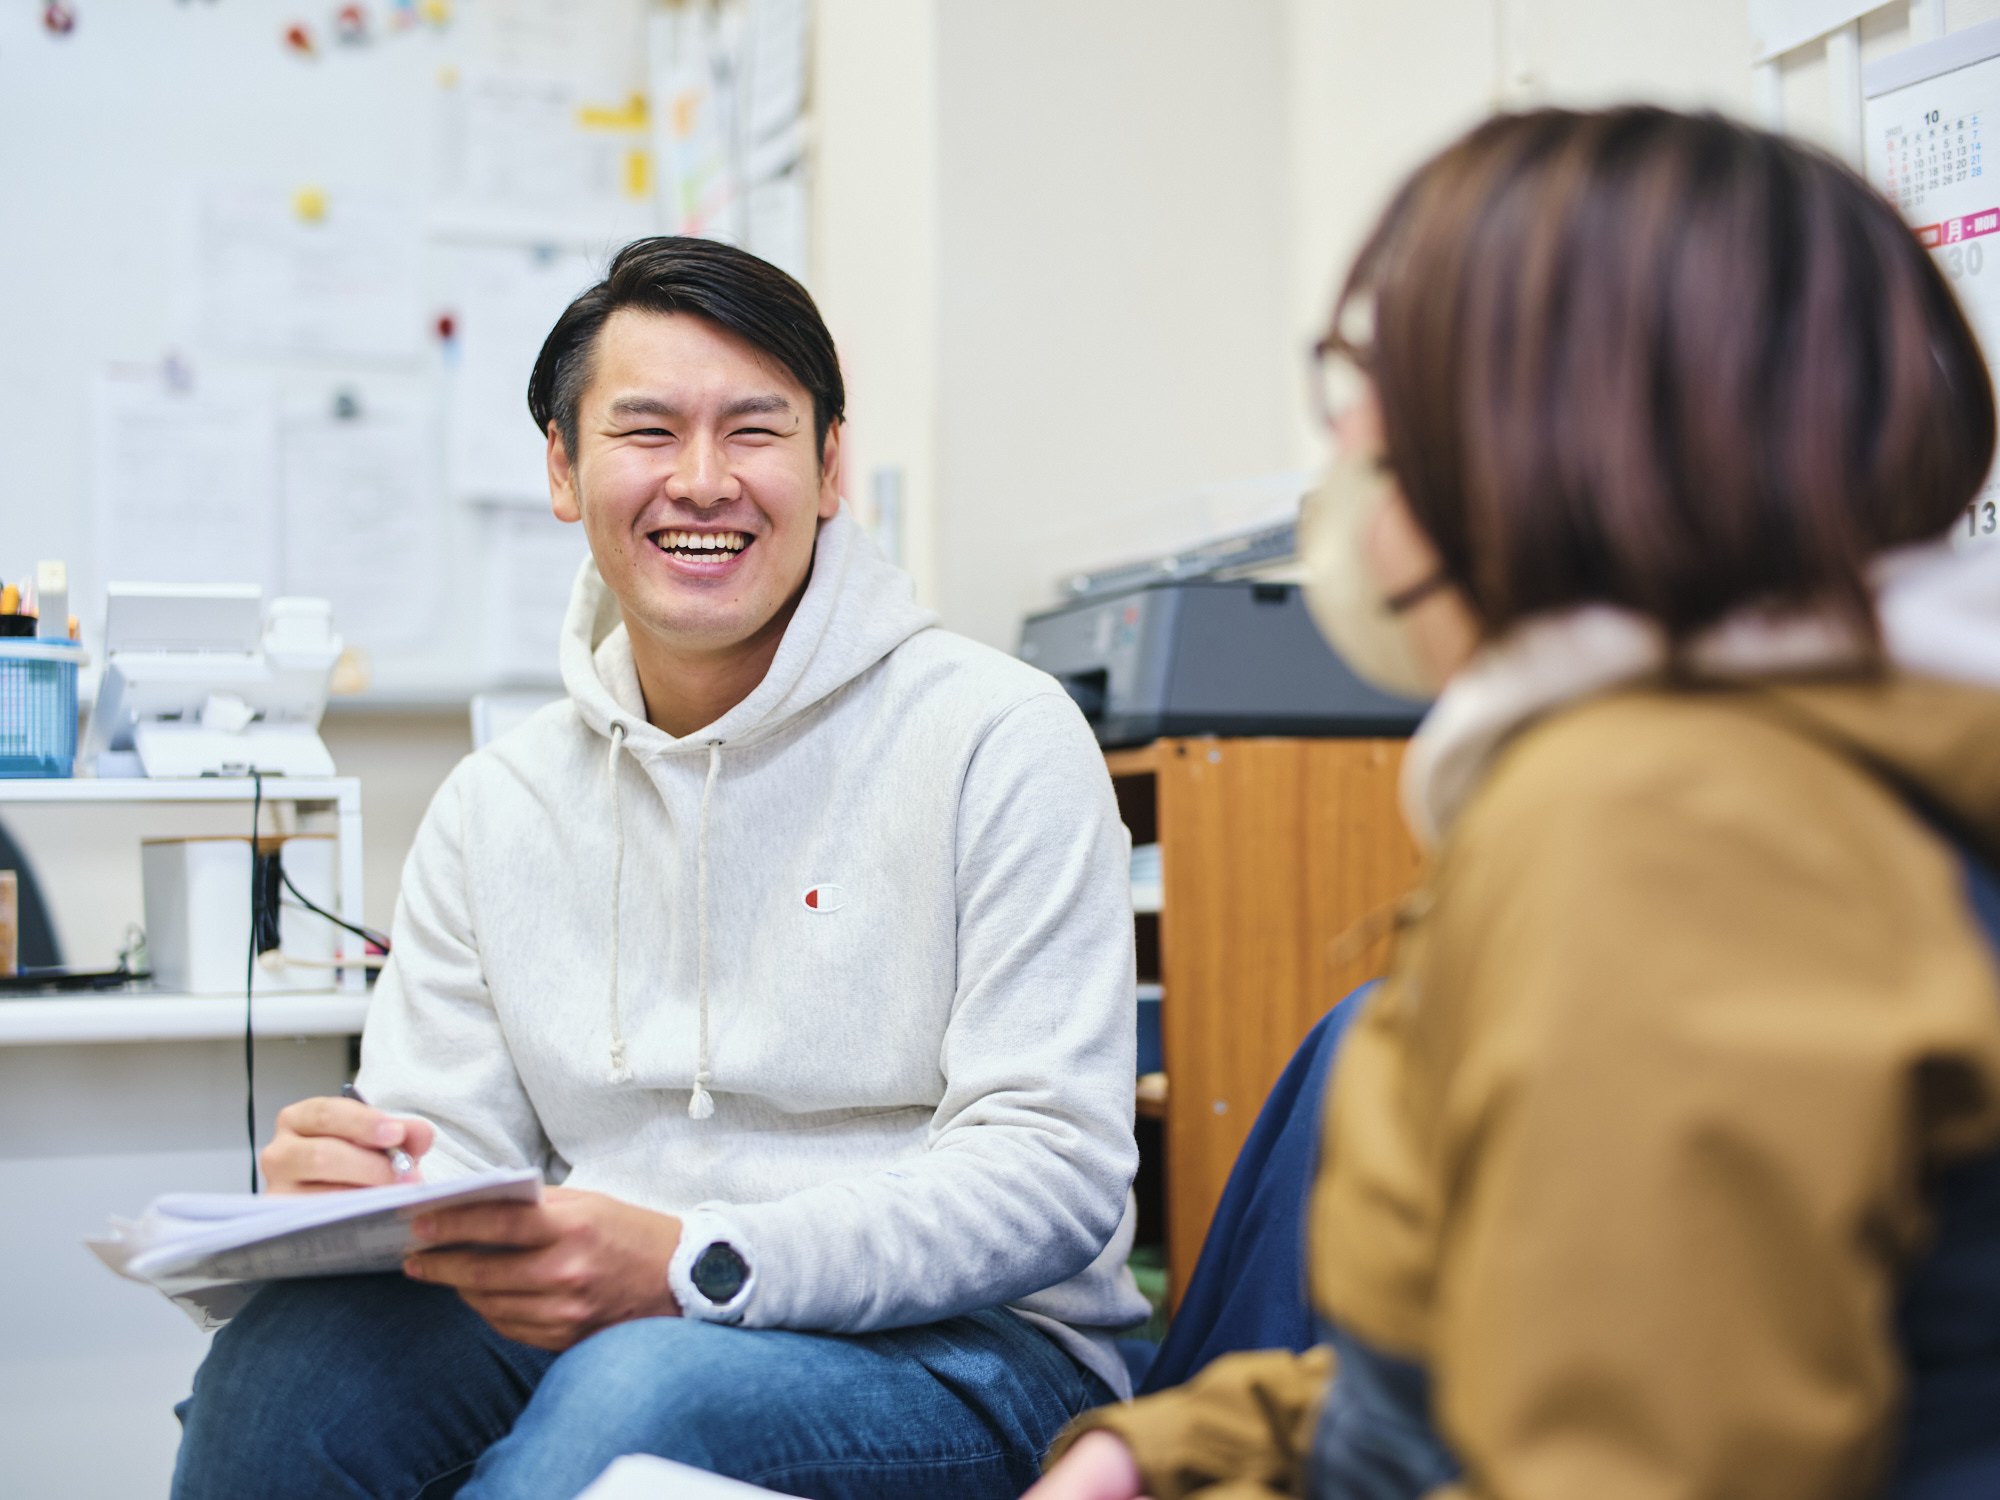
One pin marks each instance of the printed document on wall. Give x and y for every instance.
(185, 480)
(305, 272)
(780, 39)
(1926, 152)
(508, 298)
(532, 562)
(361, 525)
(780, 222)
(543, 132)
(693, 66)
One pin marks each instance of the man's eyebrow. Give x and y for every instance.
(642, 406)
(754, 406)
(749, 406)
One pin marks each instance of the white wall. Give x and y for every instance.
(1110, 274)
(875, 252)
(1370, 94)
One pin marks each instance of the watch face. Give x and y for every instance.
(719, 1273)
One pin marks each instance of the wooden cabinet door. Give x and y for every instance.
(1281, 857)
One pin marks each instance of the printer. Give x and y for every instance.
(204, 680)
(1206, 656)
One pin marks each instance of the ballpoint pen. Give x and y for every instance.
(400, 1160)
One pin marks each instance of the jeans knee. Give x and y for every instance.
(649, 1377)
(310, 1391)
(236, 1425)
(638, 1387)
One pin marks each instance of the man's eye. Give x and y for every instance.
(754, 432)
(649, 432)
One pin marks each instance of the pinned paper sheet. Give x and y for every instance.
(780, 33)
(185, 480)
(537, 129)
(508, 298)
(779, 222)
(692, 61)
(361, 522)
(1926, 154)
(641, 1476)
(311, 271)
(532, 561)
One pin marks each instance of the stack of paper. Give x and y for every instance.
(210, 1252)
(643, 1477)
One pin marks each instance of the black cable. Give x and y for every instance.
(250, 981)
(367, 934)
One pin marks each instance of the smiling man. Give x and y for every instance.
(794, 945)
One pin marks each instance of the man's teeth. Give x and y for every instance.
(701, 541)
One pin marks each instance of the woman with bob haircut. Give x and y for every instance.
(1665, 1162)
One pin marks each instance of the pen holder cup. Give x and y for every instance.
(38, 707)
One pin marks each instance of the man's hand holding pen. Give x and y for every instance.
(548, 1274)
(326, 1144)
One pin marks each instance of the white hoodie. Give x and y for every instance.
(848, 971)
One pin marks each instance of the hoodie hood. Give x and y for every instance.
(1933, 729)
(857, 608)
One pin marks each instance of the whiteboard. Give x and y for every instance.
(1926, 115)
(174, 177)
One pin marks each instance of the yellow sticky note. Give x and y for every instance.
(437, 12)
(638, 174)
(631, 115)
(309, 203)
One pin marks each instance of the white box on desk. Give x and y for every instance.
(198, 913)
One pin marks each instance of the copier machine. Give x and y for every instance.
(1206, 656)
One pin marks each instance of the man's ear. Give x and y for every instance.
(562, 479)
(832, 474)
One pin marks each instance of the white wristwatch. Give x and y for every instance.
(710, 1273)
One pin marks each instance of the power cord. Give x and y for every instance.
(366, 934)
(264, 937)
(250, 976)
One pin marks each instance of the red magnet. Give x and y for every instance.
(59, 18)
(350, 24)
(447, 327)
(299, 39)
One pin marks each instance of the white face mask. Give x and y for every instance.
(1349, 609)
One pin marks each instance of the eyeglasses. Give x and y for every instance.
(1337, 376)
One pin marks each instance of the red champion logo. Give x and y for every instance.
(823, 898)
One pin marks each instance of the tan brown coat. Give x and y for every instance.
(1628, 1148)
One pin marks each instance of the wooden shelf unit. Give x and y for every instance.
(1273, 851)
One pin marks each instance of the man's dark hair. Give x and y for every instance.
(1667, 362)
(731, 288)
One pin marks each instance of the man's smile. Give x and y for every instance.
(699, 543)
(701, 554)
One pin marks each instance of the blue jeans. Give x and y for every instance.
(382, 1387)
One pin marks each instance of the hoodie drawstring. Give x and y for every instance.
(702, 1104)
(621, 1071)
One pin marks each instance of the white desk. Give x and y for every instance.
(106, 1101)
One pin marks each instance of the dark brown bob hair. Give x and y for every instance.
(1666, 362)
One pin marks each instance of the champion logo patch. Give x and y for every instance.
(824, 898)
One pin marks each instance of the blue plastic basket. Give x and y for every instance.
(38, 707)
